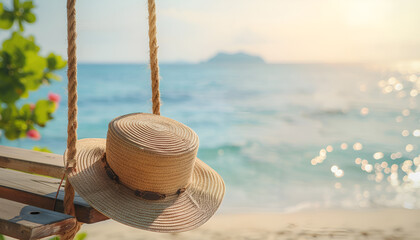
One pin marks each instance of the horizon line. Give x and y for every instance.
(265, 63)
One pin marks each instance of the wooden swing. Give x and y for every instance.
(29, 179)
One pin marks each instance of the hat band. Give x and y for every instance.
(147, 195)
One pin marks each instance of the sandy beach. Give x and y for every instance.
(321, 224)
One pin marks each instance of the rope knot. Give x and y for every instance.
(70, 165)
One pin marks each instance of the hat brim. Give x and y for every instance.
(175, 213)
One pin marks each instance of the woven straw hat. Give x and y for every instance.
(145, 174)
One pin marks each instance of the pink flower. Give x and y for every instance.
(54, 97)
(31, 106)
(33, 134)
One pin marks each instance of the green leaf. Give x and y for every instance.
(8, 95)
(10, 89)
(28, 5)
(15, 130)
(9, 113)
(42, 149)
(55, 62)
(42, 112)
(16, 5)
(11, 134)
(6, 19)
(81, 236)
(53, 76)
(2, 237)
(34, 68)
(19, 43)
(29, 17)
(14, 122)
(25, 111)
(21, 13)
(20, 125)
(25, 94)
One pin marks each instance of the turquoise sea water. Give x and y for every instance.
(274, 132)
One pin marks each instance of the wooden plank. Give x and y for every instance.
(40, 191)
(30, 161)
(28, 222)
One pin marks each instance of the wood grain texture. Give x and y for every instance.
(40, 191)
(30, 161)
(28, 222)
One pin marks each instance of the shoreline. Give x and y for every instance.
(310, 224)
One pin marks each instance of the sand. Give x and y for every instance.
(322, 224)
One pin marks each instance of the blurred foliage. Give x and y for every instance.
(22, 70)
(42, 149)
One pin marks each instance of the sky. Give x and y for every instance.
(280, 31)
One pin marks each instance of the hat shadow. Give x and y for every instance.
(116, 201)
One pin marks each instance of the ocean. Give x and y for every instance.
(284, 137)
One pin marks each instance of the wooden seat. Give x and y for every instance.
(28, 222)
(40, 191)
(35, 183)
(30, 161)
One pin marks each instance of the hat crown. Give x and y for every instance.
(150, 152)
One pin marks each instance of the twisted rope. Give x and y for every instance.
(153, 52)
(72, 115)
(72, 98)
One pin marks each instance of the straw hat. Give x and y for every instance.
(145, 174)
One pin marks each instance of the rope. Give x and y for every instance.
(72, 98)
(72, 115)
(153, 52)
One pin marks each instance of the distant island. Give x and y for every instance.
(235, 58)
